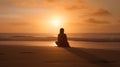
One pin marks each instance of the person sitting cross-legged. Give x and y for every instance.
(62, 39)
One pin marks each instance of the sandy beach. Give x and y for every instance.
(48, 56)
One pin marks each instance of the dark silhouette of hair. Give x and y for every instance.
(62, 31)
(62, 39)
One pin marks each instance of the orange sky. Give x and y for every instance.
(76, 16)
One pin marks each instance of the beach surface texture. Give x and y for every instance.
(38, 56)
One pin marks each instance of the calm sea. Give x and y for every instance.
(82, 40)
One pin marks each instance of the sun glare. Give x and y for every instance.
(57, 21)
(54, 22)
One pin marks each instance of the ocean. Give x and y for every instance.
(90, 37)
(82, 40)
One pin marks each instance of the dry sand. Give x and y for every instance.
(34, 56)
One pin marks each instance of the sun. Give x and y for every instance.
(54, 22)
(57, 21)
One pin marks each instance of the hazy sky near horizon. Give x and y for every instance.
(76, 16)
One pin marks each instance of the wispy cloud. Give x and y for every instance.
(118, 21)
(96, 21)
(50, 0)
(26, 3)
(76, 7)
(15, 23)
(20, 3)
(101, 12)
(19, 23)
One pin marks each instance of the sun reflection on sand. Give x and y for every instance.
(54, 44)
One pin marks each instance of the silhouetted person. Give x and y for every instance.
(62, 39)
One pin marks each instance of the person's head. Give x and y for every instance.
(61, 30)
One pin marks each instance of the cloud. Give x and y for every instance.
(36, 3)
(14, 20)
(96, 21)
(19, 23)
(20, 3)
(26, 3)
(50, 1)
(81, 1)
(15, 23)
(118, 21)
(72, 8)
(101, 12)
(76, 7)
(5, 3)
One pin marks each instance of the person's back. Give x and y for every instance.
(62, 39)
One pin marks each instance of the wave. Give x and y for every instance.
(32, 38)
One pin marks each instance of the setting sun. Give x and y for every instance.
(57, 21)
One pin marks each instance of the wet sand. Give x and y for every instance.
(35, 56)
